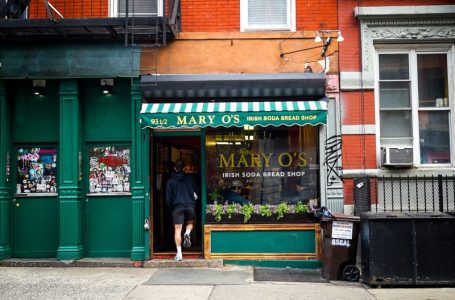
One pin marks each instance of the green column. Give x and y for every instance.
(5, 251)
(68, 160)
(137, 173)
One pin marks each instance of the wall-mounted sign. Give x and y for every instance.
(342, 230)
(228, 114)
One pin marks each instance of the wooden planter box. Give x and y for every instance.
(262, 241)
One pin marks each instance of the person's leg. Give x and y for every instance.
(187, 235)
(189, 226)
(178, 218)
(189, 216)
(178, 240)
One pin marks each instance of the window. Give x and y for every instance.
(136, 8)
(414, 103)
(36, 170)
(258, 15)
(109, 169)
(262, 165)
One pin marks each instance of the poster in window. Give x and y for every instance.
(109, 169)
(36, 170)
(263, 165)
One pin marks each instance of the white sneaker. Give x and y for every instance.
(178, 258)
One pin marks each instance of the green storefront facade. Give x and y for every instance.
(50, 206)
(80, 168)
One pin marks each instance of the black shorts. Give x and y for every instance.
(183, 214)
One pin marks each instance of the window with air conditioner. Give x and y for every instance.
(415, 106)
(267, 15)
(137, 8)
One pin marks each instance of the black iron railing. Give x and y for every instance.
(413, 193)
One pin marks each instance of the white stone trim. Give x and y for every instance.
(390, 24)
(353, 173)
(351, 81)
(358, 129)
(362, 12)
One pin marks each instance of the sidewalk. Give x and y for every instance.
(229, 282)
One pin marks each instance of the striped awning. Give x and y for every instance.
(227, 114)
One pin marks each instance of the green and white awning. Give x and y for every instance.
(227, 114)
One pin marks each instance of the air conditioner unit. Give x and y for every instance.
(395, 156)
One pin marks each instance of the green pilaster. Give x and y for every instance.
(5, 251)
(137, 173)
(69, 189)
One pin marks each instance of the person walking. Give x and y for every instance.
(181, 195)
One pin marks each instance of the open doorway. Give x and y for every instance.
(166, 150)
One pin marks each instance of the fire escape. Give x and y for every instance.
(144, 26)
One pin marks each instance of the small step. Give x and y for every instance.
(190, 262)
(84, 262)
(185, 263)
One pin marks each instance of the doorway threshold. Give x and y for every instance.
(185, 263)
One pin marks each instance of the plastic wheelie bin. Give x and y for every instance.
(339, 247)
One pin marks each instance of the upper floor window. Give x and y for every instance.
(136, 8)
(262, 15)
(415, 103)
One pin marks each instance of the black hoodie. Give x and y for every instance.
(180, 190)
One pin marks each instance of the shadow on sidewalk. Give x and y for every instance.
(288, 275)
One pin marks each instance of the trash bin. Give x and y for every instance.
(387, 254)
(339, 247)
(408, 248)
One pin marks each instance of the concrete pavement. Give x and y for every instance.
(230, 282)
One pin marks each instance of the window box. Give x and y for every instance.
(258, 214)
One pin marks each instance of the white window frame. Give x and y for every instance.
(413, 50)
(114, 13)
(291, 19)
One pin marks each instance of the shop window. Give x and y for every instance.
(262, 165)
(414, 104)
(36, 170)
(109, 169)
(261, 15)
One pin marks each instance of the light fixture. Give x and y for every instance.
(324, 36)
(340, 38)
(106, 86)
(39, 87)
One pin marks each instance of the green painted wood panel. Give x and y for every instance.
(105, 117)
(35, 227)
(108, 226)
(268, 241)
(304, 264)
(5, 250)
(33, 118)
(69, 190)
(69, 60)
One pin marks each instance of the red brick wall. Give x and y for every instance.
(71, 8)
(348, 191)
(359, 151)
(357, 107)
(224, 15)
(210, 15)
(316, 14)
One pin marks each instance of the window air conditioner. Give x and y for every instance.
(397, 156)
